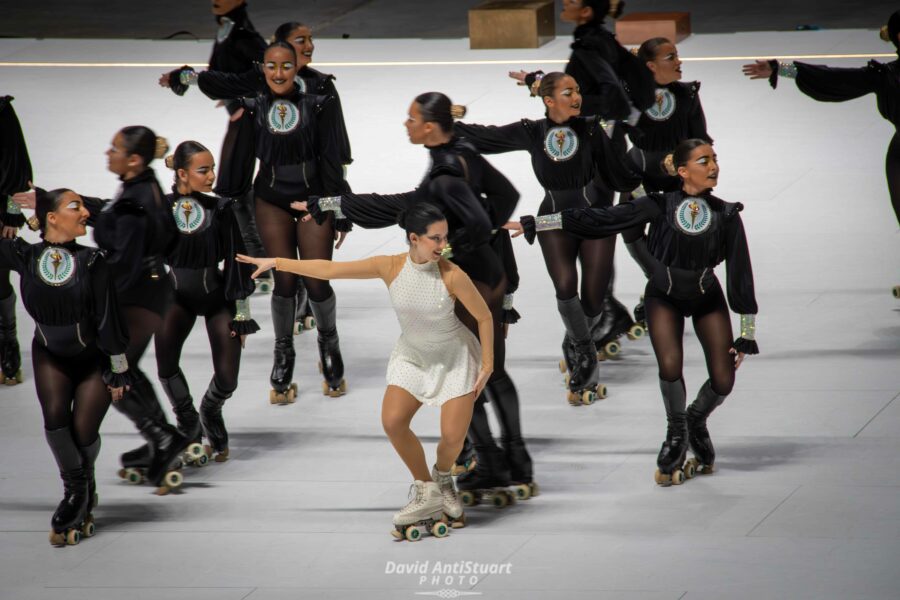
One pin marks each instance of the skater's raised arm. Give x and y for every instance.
(593, 222)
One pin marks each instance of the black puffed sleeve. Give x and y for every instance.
(597, 222)
(741, 294)
(13, 254)
(494, 139)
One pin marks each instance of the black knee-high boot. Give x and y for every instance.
(72, 510)
(139, 458)
(213, 423)
(330, 361)
(698, 434)
(179, 394)
(491, 469)
(283, 312)
(578, 349)
(505, 400)
(10, 355)
(88, 459)
(674, 448)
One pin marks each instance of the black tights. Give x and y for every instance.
(712, 324)
(71, 391)
(283, 235)
(142, 324)
(596, 256)
(226, 350)
(6, 287)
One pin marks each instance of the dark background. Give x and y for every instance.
(397, 18)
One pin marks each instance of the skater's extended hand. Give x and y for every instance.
(761, 69)
(117, 392)
(516, 227)
(164, 80)
(262, 265)
(8, 232)
(237, 115)
(25, 199)
(482, 380)
(738, 358)
(339, 237)
(243, 337)
(301, 206)
(519, 76)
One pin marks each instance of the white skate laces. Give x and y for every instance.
(444, 480)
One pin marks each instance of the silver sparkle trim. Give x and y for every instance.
(242, 310)
(548, 222)
(119, 363)
(188, 77)
(748, 327)
(332, 203)
(507, 301)
(787, 69)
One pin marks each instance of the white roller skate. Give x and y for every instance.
(425, 512)
(453, 509)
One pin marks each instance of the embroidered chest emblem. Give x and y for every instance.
(225, 27)
(189, 215)
(56, 266)
(561, 144)
(663, 107)
(693, 216)
(283, 116)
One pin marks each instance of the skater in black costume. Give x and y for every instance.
(136, 229)
(832, 84)
(691, 231)
(208, 235)
(298, 144)
(568, 153)
(675, 116)
(15, 176)
(475, 198)
(616, 86)
(78, 351)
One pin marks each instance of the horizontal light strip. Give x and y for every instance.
(425, 63)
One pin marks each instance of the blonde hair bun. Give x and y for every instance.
(170, 161)
(162, 146)
(457, 111)
(668, 164)
(884, 34)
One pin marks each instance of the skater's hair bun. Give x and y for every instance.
(437, 108)
(47, 202)
(649, 49)
(682, 152)
(181, 158)
(605, 8)
(417, 218)
(548, 83)
(141, 140)
(883, 33)
(285, 29)
(668, 164)
(282, 44)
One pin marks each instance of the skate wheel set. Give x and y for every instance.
(499, 497)
(698, 467)
(288, 396)
(413, 533)
(677, 476)
(526, 491)
(172, 480)
(264, 286)
(14, 380)
(305, 324)
(71, 537)
(132, 475)
(581, 397)
(613, 348)
(332, 391)
(195, 456)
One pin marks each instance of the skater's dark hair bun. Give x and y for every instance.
(605, 8)
(417, 218)
(437, 108)
(183, 154)
(284, 30)
(649, 49)
(282, 44)
(141, 140)
(47, 202)
(682, 152)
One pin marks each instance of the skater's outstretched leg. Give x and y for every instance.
(397, 411)
(226, 353)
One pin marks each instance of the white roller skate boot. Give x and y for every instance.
(453, 509)
(425, 512)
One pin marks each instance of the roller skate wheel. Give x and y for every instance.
(459, 522)
(896, 291)
(173, 479)
(202, 460)
(309, 323)
(325, 388)
(573, 398)
(291, 394)
(468, 498)
(691, 467)
(535, 489)
(412, 534)
(636, 332)
(133, 476)
(678, 477)
(601, 391)
(588, 397)
(195, 451)
(89, 529)
(73, 536)
(298, 328)
(566, 380)
(661, 479)
(440, 529)
(57, 539)
(612, 349)
(263, 286)
(523, 491)
(396, 534)
(501, 500)
(562, 366)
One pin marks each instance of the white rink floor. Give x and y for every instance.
(806, 502)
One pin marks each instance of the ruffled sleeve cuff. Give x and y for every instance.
(746, 343)
(783, 69)
(510, 314)
(318, 207)
(243, 324)
(13, 216)
(181, 79)
(532, 225)
(118, 375)
(746, 346)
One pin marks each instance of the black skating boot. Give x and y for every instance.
(213, 423)
(10, 355)
(135, 462)
(88, 459)
(284, 390)
(490, 477)
(186, 416)
(612, 322)
(466, 459)
(505, 399)
(331, 364)
(304, 321)
(640, 314)
(579, 354)
(698, 435)
(674, 449)
(166, 443)
(67, 524)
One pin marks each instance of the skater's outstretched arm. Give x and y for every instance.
(377, 267)
(493, 139)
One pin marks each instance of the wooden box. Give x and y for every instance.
(512, 24)
(635, 28)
